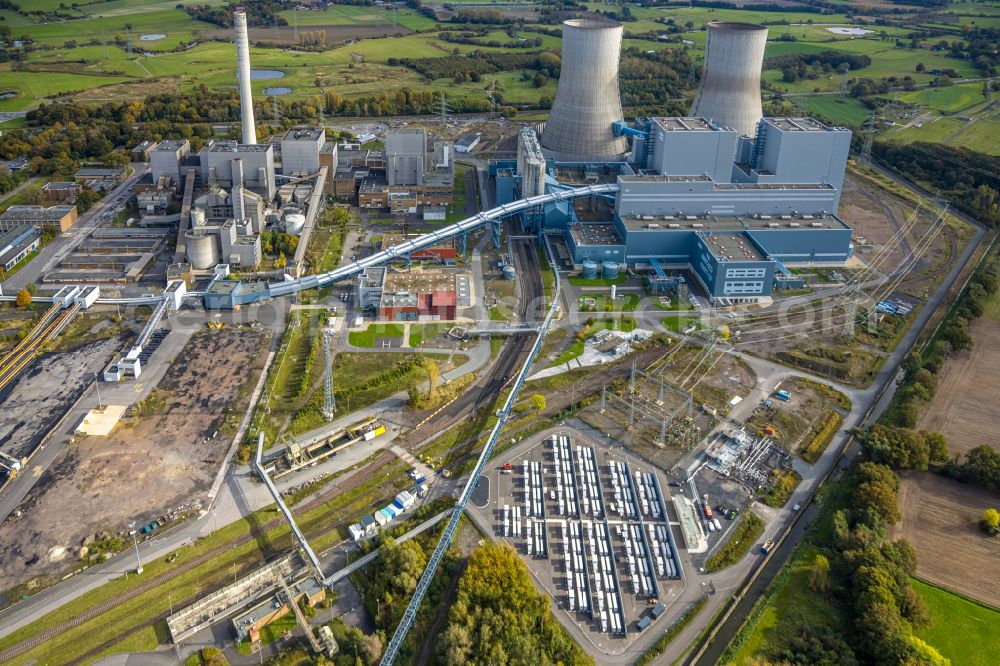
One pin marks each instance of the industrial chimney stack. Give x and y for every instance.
(243, 65)
(729, 92)
(587, 99)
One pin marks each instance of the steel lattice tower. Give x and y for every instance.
(329, 401)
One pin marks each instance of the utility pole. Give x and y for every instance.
(135, 543)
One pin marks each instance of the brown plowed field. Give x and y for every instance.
(940, 519)
(964, 408)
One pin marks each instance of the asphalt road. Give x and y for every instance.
(61, 246)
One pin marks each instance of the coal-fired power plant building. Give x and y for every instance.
(587, 99)
(729, 93)
(243, 69)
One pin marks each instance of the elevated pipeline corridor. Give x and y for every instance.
(395, 252)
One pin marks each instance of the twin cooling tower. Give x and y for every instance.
(587, 101)
(729, 92)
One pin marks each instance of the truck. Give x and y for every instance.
(768, 545)
(783, 395)
(707, 509)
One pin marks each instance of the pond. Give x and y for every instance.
(275, 92)
(850, 31)
(151, 37)
(262, 74)
(8, 95)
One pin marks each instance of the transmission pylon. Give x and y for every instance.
(329, 401)
(604, 398)
(852, 312)
(631, 379)
(128, 43)
(869, 133)
(443, 109)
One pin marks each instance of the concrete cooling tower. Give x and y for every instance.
(243, 69)
(587, 99)
(730, 82)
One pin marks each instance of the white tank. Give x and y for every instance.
(202, 250)
(197, 218)
(294, 223)
(729, 92)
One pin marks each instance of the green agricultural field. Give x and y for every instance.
(174, 23)
(949, 99)
(834, 109)
(937, 129)
(982, 136)
(31, 89)
(962, 630)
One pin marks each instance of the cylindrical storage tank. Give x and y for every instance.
(587, 97)
(201, 249)
(197, 217)
(589, 270)
(609, 270)
(729, 92)
(509, 272)
(294, 223)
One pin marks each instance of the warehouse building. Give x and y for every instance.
(63, 216)
(16, 245)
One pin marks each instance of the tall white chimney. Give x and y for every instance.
(243, 65)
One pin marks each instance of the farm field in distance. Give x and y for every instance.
(82, 51)
(941, 521)
(964, 405)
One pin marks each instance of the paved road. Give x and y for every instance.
(61, 246)
(732, 578)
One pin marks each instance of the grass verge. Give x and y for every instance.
(744, 535)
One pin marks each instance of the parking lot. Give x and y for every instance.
(593, 524)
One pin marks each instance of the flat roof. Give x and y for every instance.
(304, 134)
(172, 145)
(35, 213)
(732, 247)
(657, 178)
(731, 222)
(595, 234)
(687, 124)
(61, 185)
(420, 281)
(223, 287)
(233, 147)
(797, 124)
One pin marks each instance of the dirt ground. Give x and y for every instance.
(875, 216)
(46, 391)
(964, 405)
(165, 456)
(793, 420)
(940, 520)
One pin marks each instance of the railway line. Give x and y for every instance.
(484, 394)
(48, 327)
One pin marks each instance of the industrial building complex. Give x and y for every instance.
(732, 197)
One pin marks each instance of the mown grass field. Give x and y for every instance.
(962, 630)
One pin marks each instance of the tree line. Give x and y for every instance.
(258, 13)
(896, 442)
(499, 618)
(969, 180)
